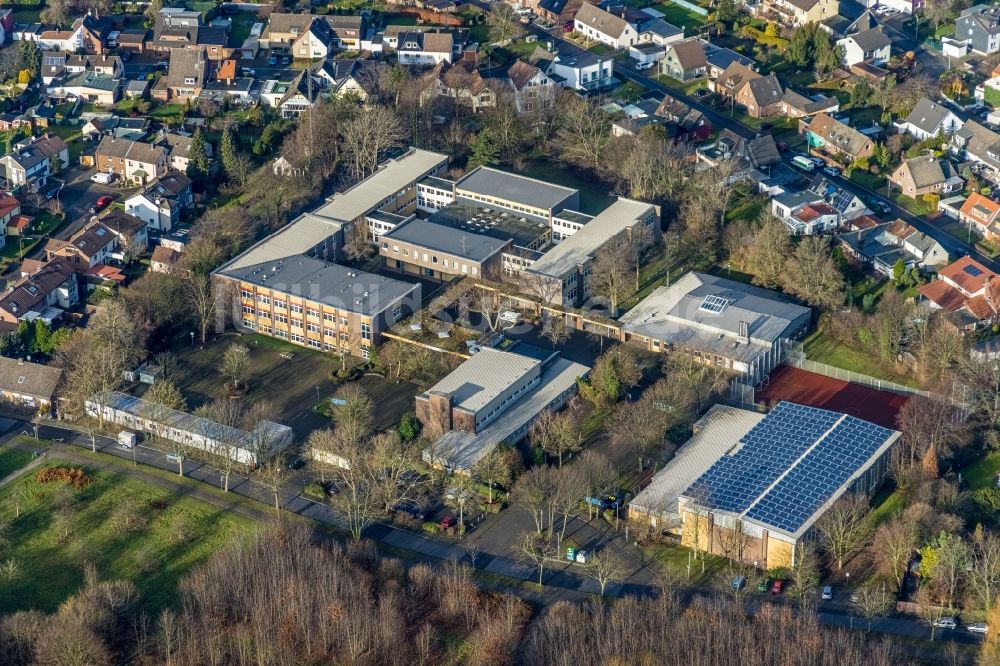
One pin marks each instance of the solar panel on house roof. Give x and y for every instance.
(842, 200)
(788, 465)
(972, 270)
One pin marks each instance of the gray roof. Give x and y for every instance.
(927, 115)
(331, 284)
(683, 314)
(579, 248)
(512, 187)
(871, 40)
(447, 239)
(488, 373)
(926, 171)
(392, 176)
(714, 434)
(31, 379)
(462, 450)
(94, 80)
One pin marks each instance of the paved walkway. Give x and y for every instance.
(18, 472)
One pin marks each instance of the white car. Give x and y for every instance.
(945, 623)
(643, 65)
(978, 628)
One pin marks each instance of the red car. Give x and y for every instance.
(448, 522)
(777, 586)
(101, 203)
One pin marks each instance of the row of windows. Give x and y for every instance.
(503, 204)
(417, 256)
(312, 342)
(294, 309)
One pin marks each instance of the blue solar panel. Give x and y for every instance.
(771, 448)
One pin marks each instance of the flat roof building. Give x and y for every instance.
(516, 193)
(285, 286)
(492, 397)
(567, 265)
(719, 321)
(779, 475)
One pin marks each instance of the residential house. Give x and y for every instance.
(801, 12)
(884, 245)
(966, 290)
(101, 64)
(980, 145)
(112, 125)
(692, 124)
(685, 60)
(868, 46)
(926, 174)
(425, 48)
(561, 12)
(751, 154)
(132, 161)
(131, 234)
(161, 204)
(90, 87)
(53, 66)
(44, 292)
(292, 98)
(658, 32)
(461, 83)
(316, 42)
(720, 58)
(761, 96)
(186, 75)
(32, 161)
(91, 246)
(133, 40)
(532, 89)
(979, 27)
(10, 208)
(795, 105)
(929, 119)
(837, 141)
(731, 80)
(178, 148)
(982, 214)
(165, 260)
(602, 26)
(28, 384)
(849, 206)
(574, 68)
(283, 29)
(348, 31)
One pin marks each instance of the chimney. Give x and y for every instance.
(745, 332)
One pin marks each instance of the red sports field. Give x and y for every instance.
(808, 388)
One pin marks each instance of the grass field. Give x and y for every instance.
(983, 472)
(821, 348)
(126, 528)
(679, 16)
(674, 559)
(12, 460)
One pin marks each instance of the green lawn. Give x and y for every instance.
(242, 22)
(679, 16)
(983, 472)
(885, 504)
(915, 206)
(126, 528)
(12, 460)
(674, 558)
(594, 194)
(869, 180)
(166, 110)
(823, 349)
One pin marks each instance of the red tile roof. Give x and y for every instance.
(981, 209)
(8, 203)
(968, 274)
(943, 295)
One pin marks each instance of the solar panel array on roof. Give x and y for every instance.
(842, 200)
(972, 270)
(714, 304)
(816, 450)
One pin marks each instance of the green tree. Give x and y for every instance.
(29, 57)
(409, 427)
(881, 155)
(228, 153)
(198, 157)
(727, 12)
(485, 151)
(861, 92)
(898, 271)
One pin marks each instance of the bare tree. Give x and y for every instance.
(497, 468)
(536, 551)
(235, 364)
(892, 547)
(983, 576)
(504, 23)
(871, 600)
(610, 275)
(272, 473)
(804, 577)
(368, 136)
(202, 300)
(928, 608)
(597, 475)
(842, 527)
(570, 488)
(584, 129)
(228, 414)
(606, 567)
(554, 328)
(353, 414)
(556, 433)
(533, 492)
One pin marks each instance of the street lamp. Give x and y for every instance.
(192, 338)
(317, 394)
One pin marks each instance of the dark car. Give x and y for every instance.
(880, 207)
(414, 511)
(285, 60)
(568, 27)
(273, 60)
(448, 522)
(297, 463)
(763, 585)
(101, 203)
(782, 145)
(608, 500)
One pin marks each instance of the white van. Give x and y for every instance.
(126, 439)
(103, 178)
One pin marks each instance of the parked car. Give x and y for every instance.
(643, 65)
(101, 203)
(827, 592)
(608, 500)
(777, 586)
(945, 623)
(297, 463)
(701, 92)
(782, 145)
(818, 161)
(739, 583)
(285, 60)
(102, 178)
(831, 171)
(978, 628)
(568, 28)
(272, 61)
(448, 522)
(764, 585)
(413, 510)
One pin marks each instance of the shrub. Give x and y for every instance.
(432, 528)
(74, 476)
(409, 427)
(314, 489)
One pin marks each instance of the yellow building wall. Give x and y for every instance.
(779, 554)
(696, 530)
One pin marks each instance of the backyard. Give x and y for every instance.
(125, 528)
(680, 16)
(595, 195)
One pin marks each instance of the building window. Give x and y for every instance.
(248, 309)
(247, 295)
(296, 323)
(329, 332)
(266, 300)
(314, 343)
(397, 312)
(366, 331)
(250, 323)
(295, 337)
(279, 304)
(328, 317)
(281, 334)
(343, 321)
(296, 309)
(312, 328)
(280, 318)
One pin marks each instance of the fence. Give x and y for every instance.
(691, 7)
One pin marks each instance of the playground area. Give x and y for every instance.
(809, 388)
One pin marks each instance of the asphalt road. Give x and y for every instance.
(625, 70)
